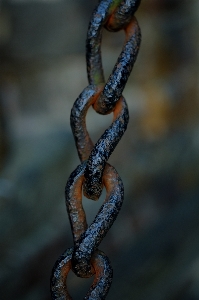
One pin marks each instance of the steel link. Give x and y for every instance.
(86, 240)
(102, 150)
(94, 172)
(119, 76)
(101, 284)
(122, 15)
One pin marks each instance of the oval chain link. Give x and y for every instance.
(94, 173)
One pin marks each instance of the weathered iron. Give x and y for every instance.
(94, 172)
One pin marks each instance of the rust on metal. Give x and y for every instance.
(102, 278)
(94, 173)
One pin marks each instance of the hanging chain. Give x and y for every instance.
(94, 172)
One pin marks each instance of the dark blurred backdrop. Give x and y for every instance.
(154, 243)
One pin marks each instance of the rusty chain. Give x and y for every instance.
(94, 172)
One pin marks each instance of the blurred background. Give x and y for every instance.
(154, 243)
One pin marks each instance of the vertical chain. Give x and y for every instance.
(94, 173)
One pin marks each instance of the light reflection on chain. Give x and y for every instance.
(94, 173)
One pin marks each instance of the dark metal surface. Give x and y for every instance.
(97, 155)
(102, 280)
(94, 172)
(93, 235)
(119, 76)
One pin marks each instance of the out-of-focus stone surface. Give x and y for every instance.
(153, 244)
(40, 29)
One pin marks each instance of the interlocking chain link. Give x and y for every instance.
(94, 172)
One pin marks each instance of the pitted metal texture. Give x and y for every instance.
(91, 238)
(94, 173)
(99, 153)
(107, 14)
(102, 279)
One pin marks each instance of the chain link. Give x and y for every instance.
(94, 173)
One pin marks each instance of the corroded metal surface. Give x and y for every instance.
(97, 155)
(119, 76)
(102, 279)
(94, 172)
(90, 239)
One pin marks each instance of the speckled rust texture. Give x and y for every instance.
(97, 155)
(94, 173)
(82, 138)
(122, 15)
(91, 238)
(103, 149)
(119, 76)
(102, 279)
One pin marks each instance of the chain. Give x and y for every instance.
(94, 173)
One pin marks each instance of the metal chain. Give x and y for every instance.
(94, 172)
